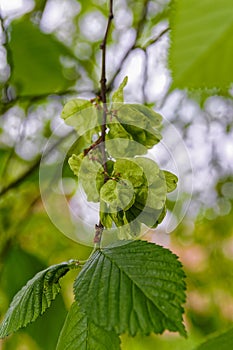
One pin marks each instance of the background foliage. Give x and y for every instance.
(50, 53)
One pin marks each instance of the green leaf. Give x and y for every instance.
(154, 118)
(146, 137)
(36, 68)
(45, 330)
(117, 194)
(128, 169)
(154, 195)
(91, 176)
(139, 115)
(75, 163)
(130, 230)
(34, 298)
(80, 114)
(133, 286)
(120, 143)
(157, 191)
(171, 180)
(130, 114)
(150, 168)
(146, 215)
(105, 217)
(79, 333)
(222, 341)
(201, 44)
(118, 95)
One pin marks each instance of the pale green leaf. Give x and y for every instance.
(129, 170)
(120, 143)
(153, 195)
(157, 192)
(133, 286)
(118, 95)
(91, 176)
(201, 44)
(171, 180)
(75, 163)
(130, 114)
(139, 115)
(79, 333)
(130, 230)
(146, 137)
(34, 298)
(222, 341)
(117, 194)
(150, 168)
(154, 118)
(81, 115)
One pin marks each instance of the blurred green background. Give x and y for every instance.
(49, 53)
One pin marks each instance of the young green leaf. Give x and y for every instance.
(34, 298)
(146, 137)
(79, 333)
(130, 230)
(127, 169)
(139, 115)
(150, 168)
(117, 194)
(91, 176)
(80, 114)
(155, 119)
(153, 196)
(75, 163)
(118, 96)
(171, 180)
(133, 286)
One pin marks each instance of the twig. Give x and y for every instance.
(132, 46)
(99, 228)
(154, 40)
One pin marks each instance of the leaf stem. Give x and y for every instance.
(99, 228)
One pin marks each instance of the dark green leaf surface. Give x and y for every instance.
(79, 333)
(133, 286)
(34, 298)
(37, 68)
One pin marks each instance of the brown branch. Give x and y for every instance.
(99, 228)
(93, 146)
